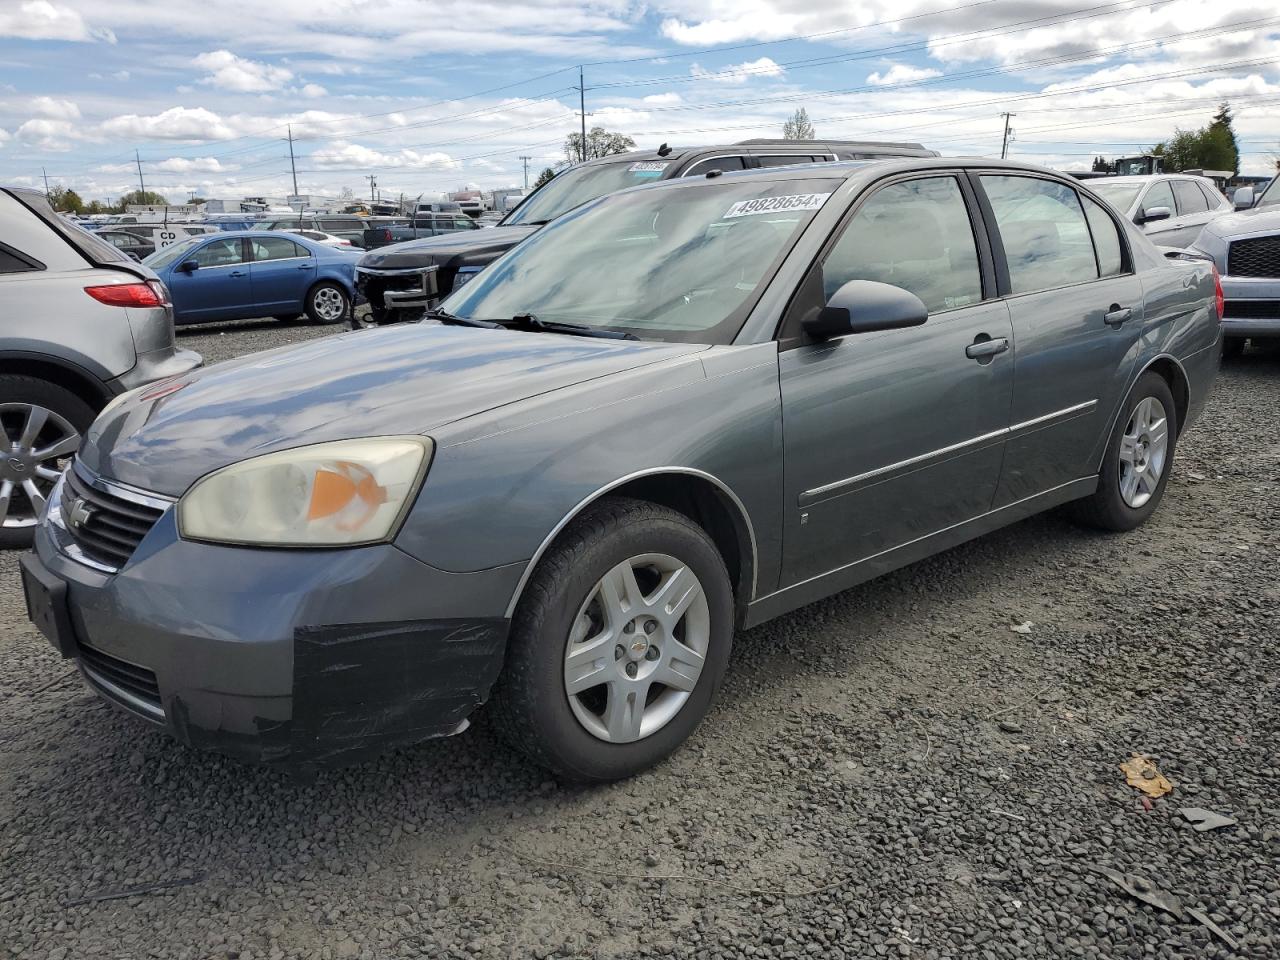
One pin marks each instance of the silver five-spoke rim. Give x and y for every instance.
(329, 303)
(636, 648)
(1144, 449)
(35, 443)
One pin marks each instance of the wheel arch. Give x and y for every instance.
(703, 498)
(1171, 369)
(85, 385)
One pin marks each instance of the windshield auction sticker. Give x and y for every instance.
(795, 201)
(649, 166)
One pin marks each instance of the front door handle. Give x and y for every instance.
(985, 350)
(1116, 315)
(237, 273)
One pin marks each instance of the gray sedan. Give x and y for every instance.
(677, 411)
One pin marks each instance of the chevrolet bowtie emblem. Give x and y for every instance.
(78, 513)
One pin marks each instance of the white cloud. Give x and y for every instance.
(741, 72)
(901, 73)
(4, 135)
(192, 165)
(120, 75)
(45, 134)
(343, 154)
(176, 123)
(229, 72)
(55, 109)
(313, 90)
(662, 99)
(41, 20)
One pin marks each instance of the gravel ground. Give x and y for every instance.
(891, 772)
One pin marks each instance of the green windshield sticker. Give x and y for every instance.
(796, 201)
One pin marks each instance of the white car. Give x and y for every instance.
(1171, 208)
(328, 239)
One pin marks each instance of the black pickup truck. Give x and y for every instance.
(423, 225)
(402, 280)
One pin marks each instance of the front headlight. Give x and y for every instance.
(330, 494)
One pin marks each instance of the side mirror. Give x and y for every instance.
(1243, 198)
(1151, 214)
(863, 306)
(189, 266)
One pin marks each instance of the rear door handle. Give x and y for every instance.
(237, 273)
(982, 349)
(1116, 315)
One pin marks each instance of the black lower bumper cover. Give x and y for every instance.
(362, 690)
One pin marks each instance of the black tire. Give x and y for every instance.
(18, 389)
(325, 290)
(530, 704)
(1106, 508)
(1233, 347)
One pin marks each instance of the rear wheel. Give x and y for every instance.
(1138, 461)
(619, 644)
(328, 303)
(41, 425)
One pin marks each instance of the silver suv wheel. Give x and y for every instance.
(35, 443)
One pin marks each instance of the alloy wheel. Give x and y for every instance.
(1144, 450)
(636, 648)
(35, 444)
(329, 303)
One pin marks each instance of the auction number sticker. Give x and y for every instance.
(795, 201)
(649, 166)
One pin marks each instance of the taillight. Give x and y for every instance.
(1219, 300)
(127, 295)
(386, 234)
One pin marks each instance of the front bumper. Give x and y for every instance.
(399, 289)
(1252, 306)
(292, 658)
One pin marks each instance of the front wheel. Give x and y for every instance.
(1138, 460)
(328, 303)
(619, 643)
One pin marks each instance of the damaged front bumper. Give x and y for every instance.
(406, 288)
(292, 658)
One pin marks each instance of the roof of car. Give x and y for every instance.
(873, 168)
(1147, 178)
(751, 146)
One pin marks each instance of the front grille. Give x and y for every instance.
(1252, 310)
(114, 677)
(107, 527)
(1255, 257)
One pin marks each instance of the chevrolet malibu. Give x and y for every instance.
(677, 411)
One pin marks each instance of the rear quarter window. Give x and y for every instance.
(11, 261)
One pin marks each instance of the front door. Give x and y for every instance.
(895, 435)
(1077, 312)
(219, 289)
(282, 272)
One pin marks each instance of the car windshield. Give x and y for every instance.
(665, 264)
(167, 255)
(1119, 195)
(581, 184)
(1271, 196)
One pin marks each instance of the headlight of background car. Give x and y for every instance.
(464, 275)
(329, 494)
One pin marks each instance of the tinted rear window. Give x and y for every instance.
(90, 247)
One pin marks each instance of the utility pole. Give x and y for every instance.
(373, 187)
(44, 174)
(293, 168)
(582, 104)
(526, 171)
(1004, 146)
(142, 187)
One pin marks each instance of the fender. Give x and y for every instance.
(77, 366)
(1151, 362)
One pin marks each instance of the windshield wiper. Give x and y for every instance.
(527, 321)
(444, 316)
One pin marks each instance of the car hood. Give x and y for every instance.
(404, 379)
(440, 250)
(1257, 220)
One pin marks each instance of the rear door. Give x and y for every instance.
(282, 271)
(895, 435)
(1077, 312)
(219, 289)
(1193, 213)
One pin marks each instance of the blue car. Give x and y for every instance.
(256, 273)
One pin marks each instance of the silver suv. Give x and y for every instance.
(80, 323)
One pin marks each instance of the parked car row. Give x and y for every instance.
(668, 413)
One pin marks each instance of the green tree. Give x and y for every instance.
(600, 143)
(546, 174)
(1212, 147)
(137, 196)
(95, 206)
(798, 127)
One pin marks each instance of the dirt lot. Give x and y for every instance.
(892, 772)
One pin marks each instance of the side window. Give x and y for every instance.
(1159, 196)
(220, 253)
(724, 164)
(785, 160)
(915, 235)
(1043, 230)
(1106, 240)
(1190, 199)
(330, 226)
(1212, 197)
(275, 248)
(13, 262)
